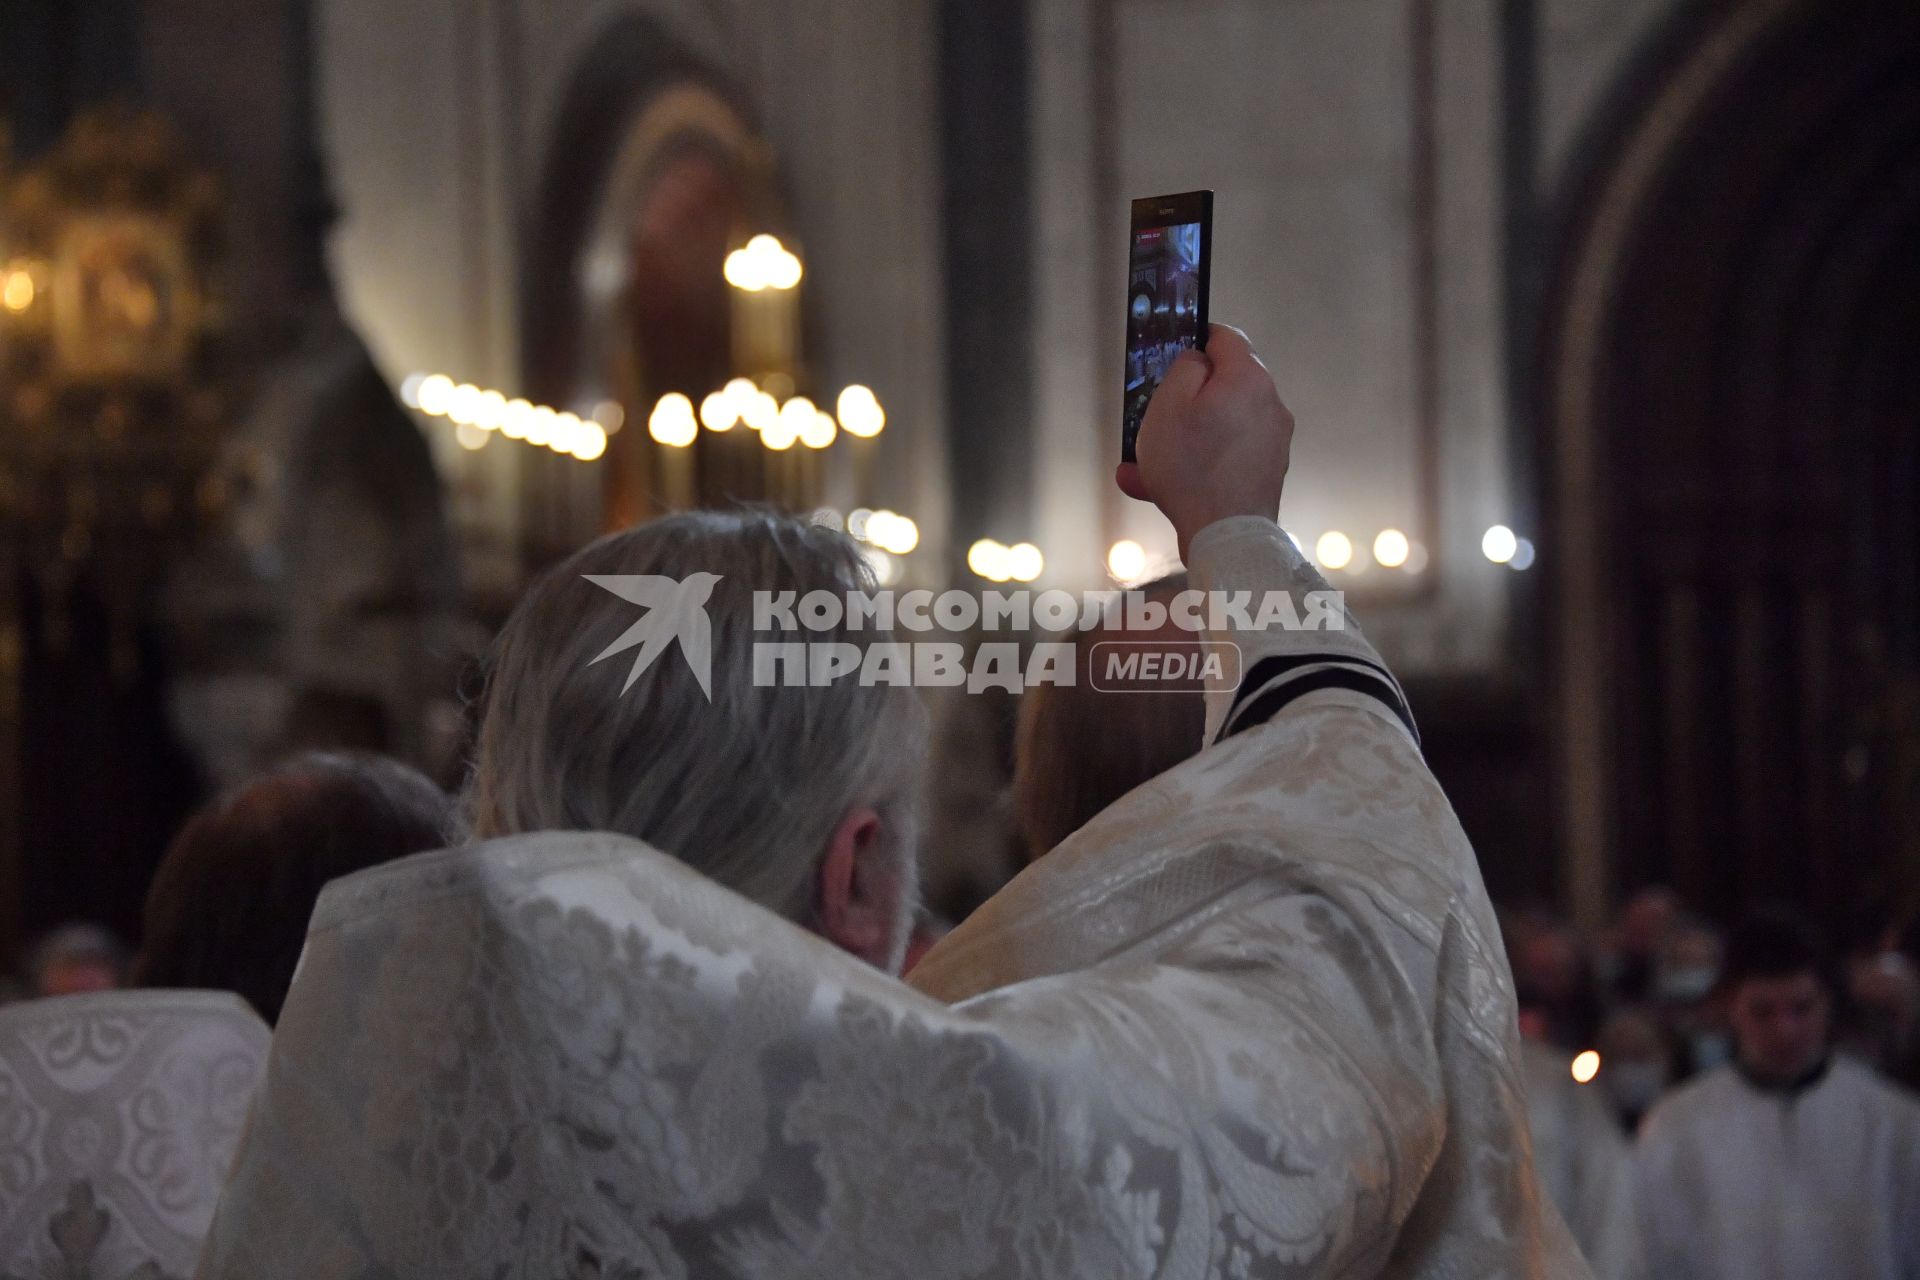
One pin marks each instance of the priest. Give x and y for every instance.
(1252, 1020)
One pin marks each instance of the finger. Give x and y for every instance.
(1127, 476)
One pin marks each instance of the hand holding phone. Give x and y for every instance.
(1216, 442)
(1167, 284)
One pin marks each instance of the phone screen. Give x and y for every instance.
(1166, 295)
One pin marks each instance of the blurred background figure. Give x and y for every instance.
(1790, 1161)
(1013, 777)
(1580, 1150)
(1082, 746)
(1584, 1162)
(229, 906)
(1639, 1063)
(75, 958)
(1634, 944)
(1688, 996)
(1882, 1024)
(1553, 975)
(969, 799)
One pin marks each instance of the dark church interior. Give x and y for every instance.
(330, 328)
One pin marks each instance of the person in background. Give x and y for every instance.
(1688, 996)
(1578, 1151)
(1883, 999)
(1906, 949)
(1584, 1161)
(75, 958)
(1638, 1063)
(1081, 746)
(1789, 1163)
(229, 903)
(1559, 999)
(1639, 934)
(968, 799)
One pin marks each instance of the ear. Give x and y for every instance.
(860, 909)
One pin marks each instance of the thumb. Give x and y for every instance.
(1227, 345)
(1185, 376)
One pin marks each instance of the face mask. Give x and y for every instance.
(1710, 1049)
(1636, 1086)
(1685, 986)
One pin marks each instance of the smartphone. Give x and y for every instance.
(1172, 254)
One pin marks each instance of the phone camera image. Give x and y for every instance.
(1166, 310)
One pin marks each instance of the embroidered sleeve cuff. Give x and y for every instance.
(1294, 635)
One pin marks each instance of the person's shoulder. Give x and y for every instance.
(1545, 1067)
(1858, 1078)
(476, 868)
(1682, 1110)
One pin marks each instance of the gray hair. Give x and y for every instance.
(748, 788)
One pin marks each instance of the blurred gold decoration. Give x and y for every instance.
(113, 410)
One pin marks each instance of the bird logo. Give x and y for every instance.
(676, 610)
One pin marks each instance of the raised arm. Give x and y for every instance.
(1281, 948)
(1214, 453)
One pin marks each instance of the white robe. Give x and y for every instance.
(1748, 1184)
(119, 1114)
(1584, 1162)
(1254, 1020)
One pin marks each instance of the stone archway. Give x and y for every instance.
(1731, 415)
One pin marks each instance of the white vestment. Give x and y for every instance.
(1584, 1162)
(1254, 1020)
(1746, 1183)
(119, 1113)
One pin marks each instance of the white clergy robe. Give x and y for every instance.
(1746, 1183)
(119, 1114)
(1254, 1020)
(1584, 1162)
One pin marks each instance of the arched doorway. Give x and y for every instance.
(655, 173)
(1731, 408)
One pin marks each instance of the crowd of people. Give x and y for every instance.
(630, 1006)
(1650, 995)
(1711, 1102)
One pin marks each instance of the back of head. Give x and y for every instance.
(1647, 918)
(1773, 945)
(745, 783)
(229, 904)
(74, 958)
(1080, 747)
